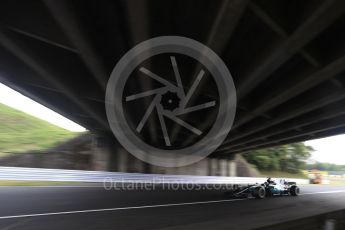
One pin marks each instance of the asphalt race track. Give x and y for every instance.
(80, 207)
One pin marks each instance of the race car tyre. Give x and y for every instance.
(259, 192)
(294, 190)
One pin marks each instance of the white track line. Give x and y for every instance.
(146, 206)
(116, 209)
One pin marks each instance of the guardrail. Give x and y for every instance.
(38, 174)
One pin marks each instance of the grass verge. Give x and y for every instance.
(21, 132)
(36, 183)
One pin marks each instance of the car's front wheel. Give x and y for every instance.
(294, 190)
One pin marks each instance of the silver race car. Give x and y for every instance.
(268, 188)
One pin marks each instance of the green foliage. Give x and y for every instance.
(282, 174)
(288, 158)
(21, 132)
(326, 167)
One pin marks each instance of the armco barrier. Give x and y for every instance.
(36, 174)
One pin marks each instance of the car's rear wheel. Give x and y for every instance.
(294, 190)
(259, 192)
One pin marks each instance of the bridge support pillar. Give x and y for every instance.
(121, 160)
(232, 168)
(100, 154)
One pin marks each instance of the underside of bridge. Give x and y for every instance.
(286, 58)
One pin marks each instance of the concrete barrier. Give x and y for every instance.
(37, 174)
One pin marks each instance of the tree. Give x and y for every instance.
(289, 158)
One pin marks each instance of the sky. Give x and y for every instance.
(330, 149)
(18, 101)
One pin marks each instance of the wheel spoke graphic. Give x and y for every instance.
(147, 114)
(164, 128)
(184, 124)
(145, 94)
(177, 74)
(171, 108)
(170, 89)
(193, 88)
(196, 108)
(157, 78)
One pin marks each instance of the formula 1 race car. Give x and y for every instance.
(268, 188)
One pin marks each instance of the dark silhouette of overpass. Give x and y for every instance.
(286, 58)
